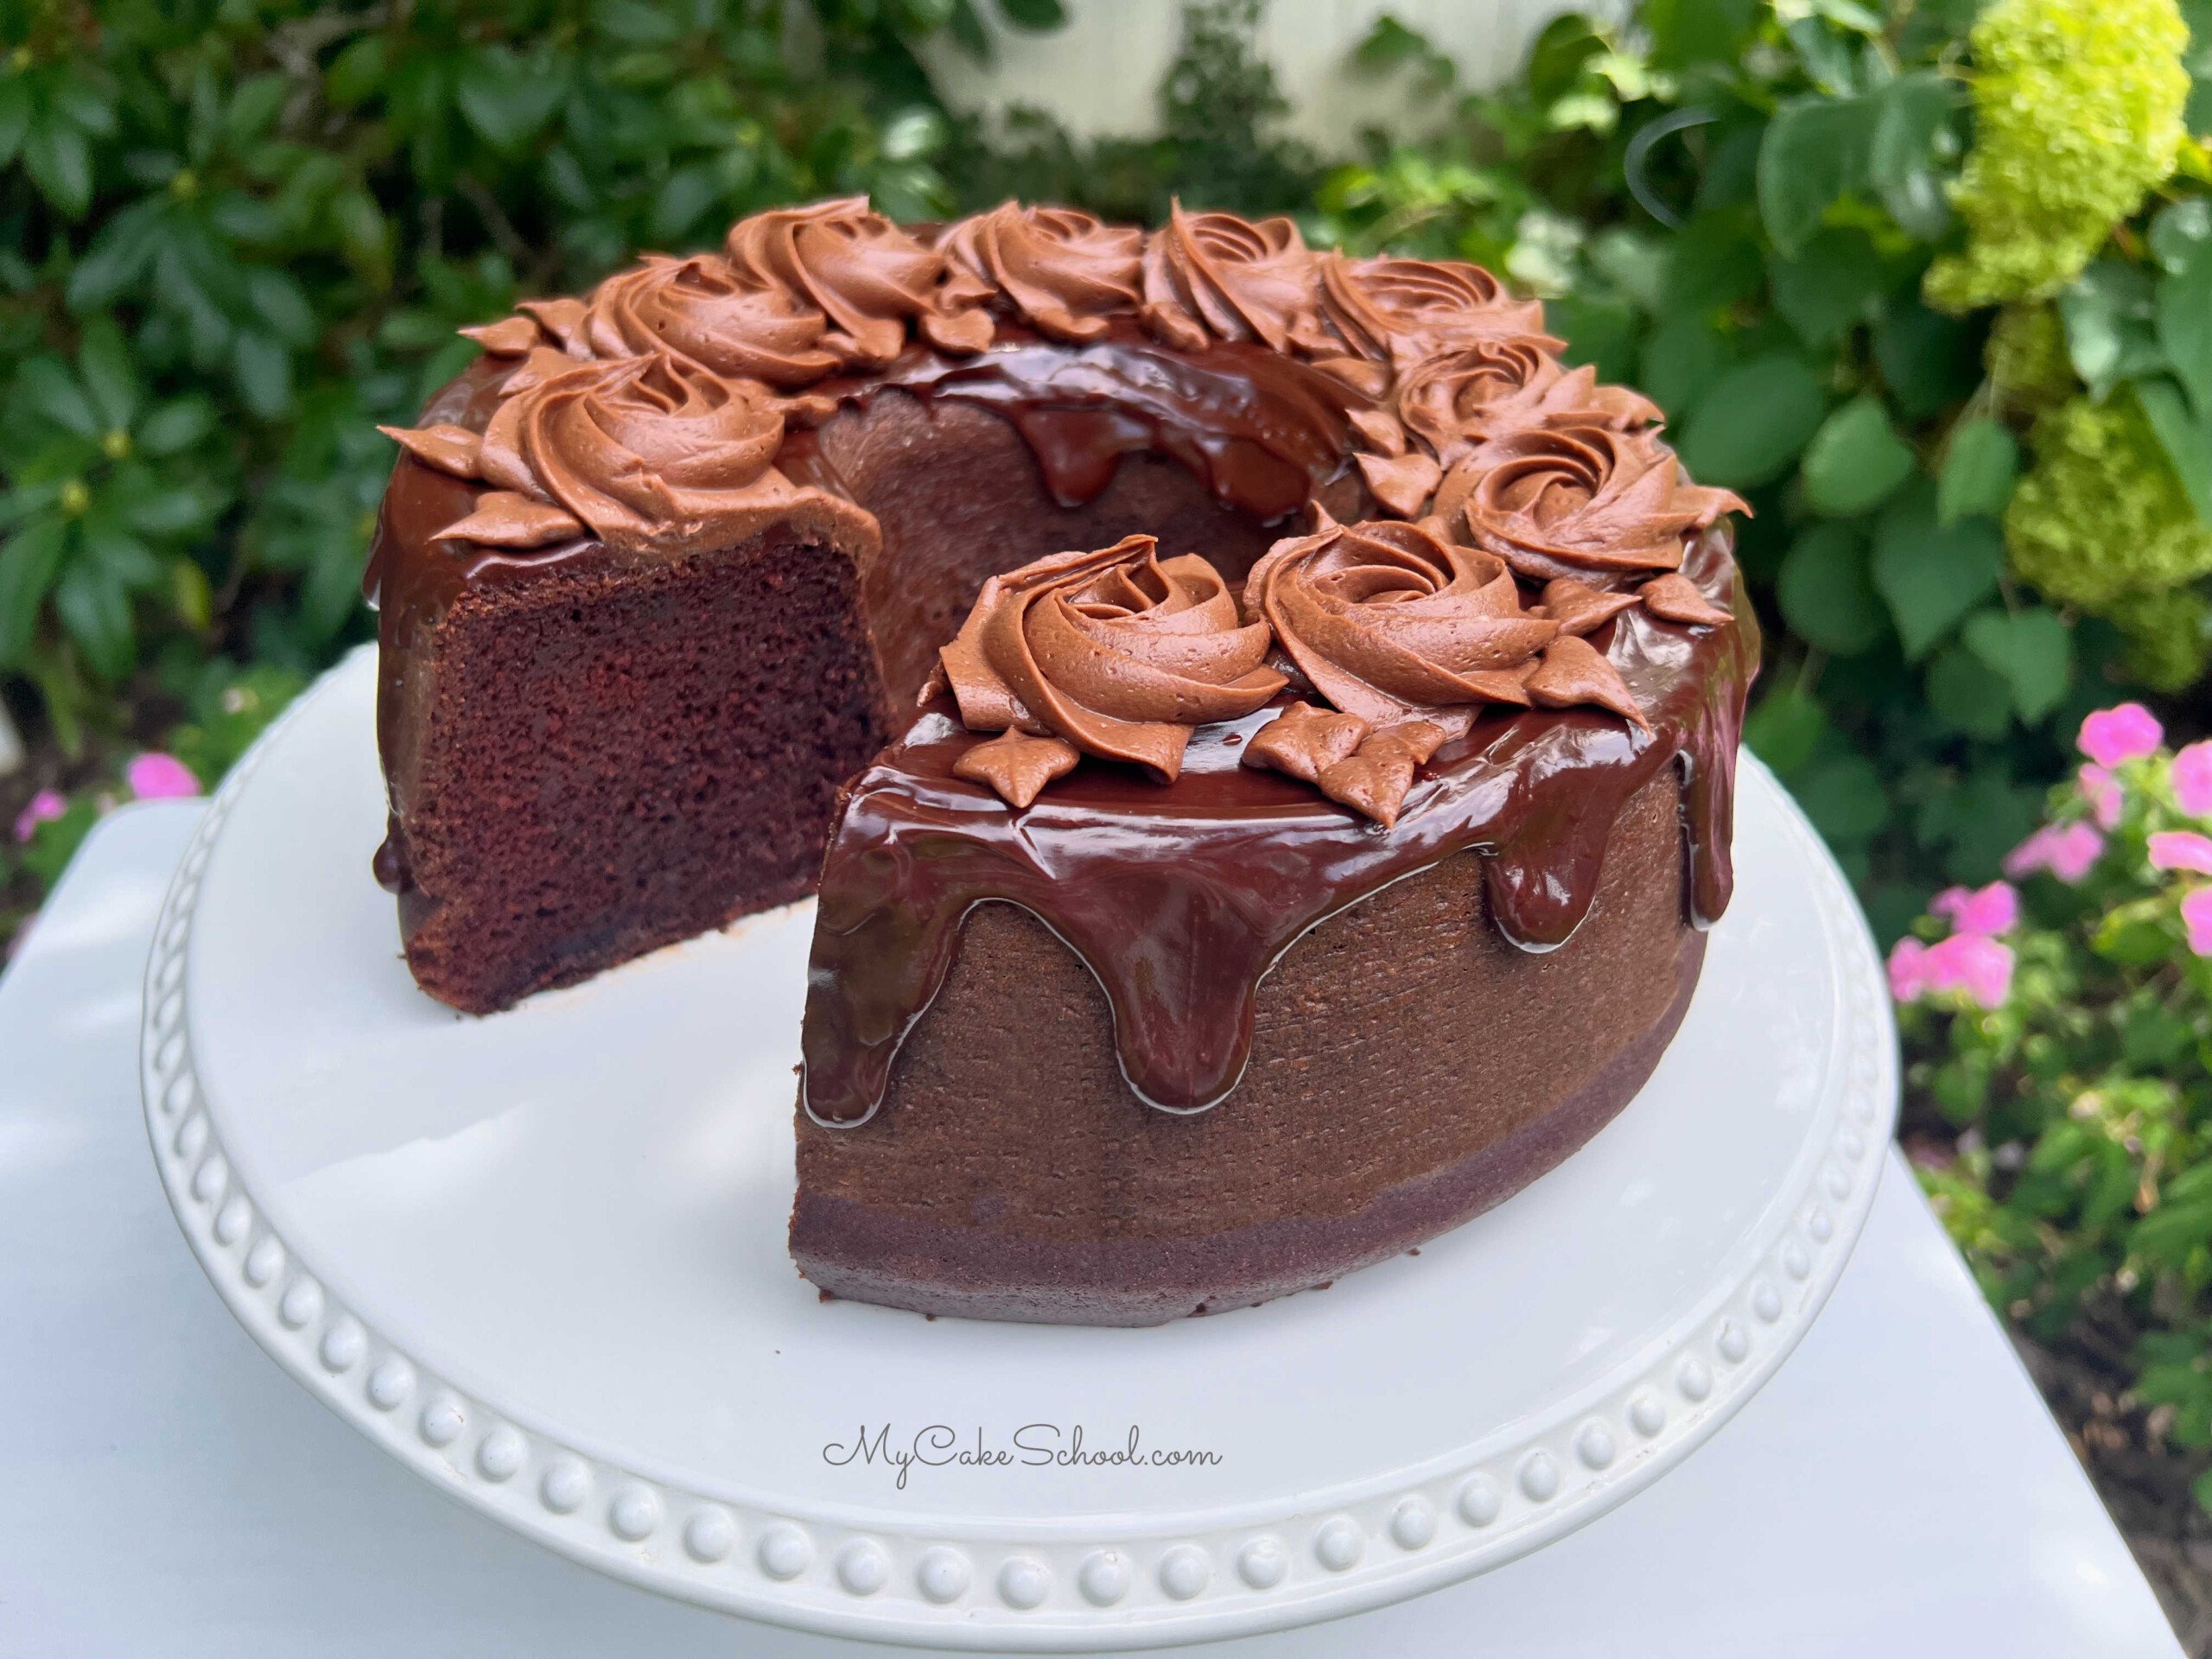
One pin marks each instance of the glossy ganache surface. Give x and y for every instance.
(1180, 899)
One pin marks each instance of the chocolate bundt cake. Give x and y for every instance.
(1262, 728)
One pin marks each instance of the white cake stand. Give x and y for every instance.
(539, 1259)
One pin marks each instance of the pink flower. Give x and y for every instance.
(157, 777)
(45, 807)
(2197, 917)
(2068, 851)
(1971, 963)
(2182, 849)
(1908, 969)
(2127, 732)
(2102, 790)
(1992, 910)
(2192, 776)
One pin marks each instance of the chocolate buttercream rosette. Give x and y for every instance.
(648, 454)
(697, 308)
(1210, 276)
(1408, 636)
(866, 275)
(1401, 311)
(1115, 653)
(1060, 270)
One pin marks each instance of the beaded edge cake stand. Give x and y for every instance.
(1141, 1581)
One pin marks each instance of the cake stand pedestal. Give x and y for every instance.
(538, 1258)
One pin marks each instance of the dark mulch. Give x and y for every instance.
(2144, 1481)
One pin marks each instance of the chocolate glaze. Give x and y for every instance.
(1180, 899)
(1263, 432)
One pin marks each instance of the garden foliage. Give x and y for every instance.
(2062, 1031)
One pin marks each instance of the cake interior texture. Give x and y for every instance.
(1262, 729)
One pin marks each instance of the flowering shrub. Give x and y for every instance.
(2063, 1027)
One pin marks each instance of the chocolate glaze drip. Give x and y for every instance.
(1179, 900)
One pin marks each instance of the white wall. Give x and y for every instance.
(1100, 73)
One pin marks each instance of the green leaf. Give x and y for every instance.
(1752, 421)
(1681, 357)
(253, 108)
(1827, 594)
(175, 425)
(28, 561)
(1968, 696)
(1035, 14)
(2110, 334)
(78, 99)
(2184, 326)
(1814, 151)
(358, 70)
(2032, 651)
(966, 25)
(507, 100)
(121, 250)
(1978, 471)
(110, 376)
(1688, 32)
(59, 161)
(1598, 331)
(46, 387)
(1928, 360)
(1713, 263)
(96, 613)
(2180, 228)
(683, 197)
(1856, 461)
(1929, 574)
(1833, 284)
(1912, 110)
(365, 234)
(262, 369)
(277, 300)
(122, 556)
(1844, 797)
(2186, 438)
(1785, 729)
(15, 116)
(172, 512)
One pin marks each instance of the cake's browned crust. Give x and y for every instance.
(1011, 1174)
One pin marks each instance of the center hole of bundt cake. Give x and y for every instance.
(961, 497)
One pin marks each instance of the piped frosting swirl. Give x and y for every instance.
(864, 275)
(1399, 311)
(647, 453)
(1212, 276)
(1116, 652)
(1601, 505)
(1459, 398)
(1059, 270)
(1387, 621)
